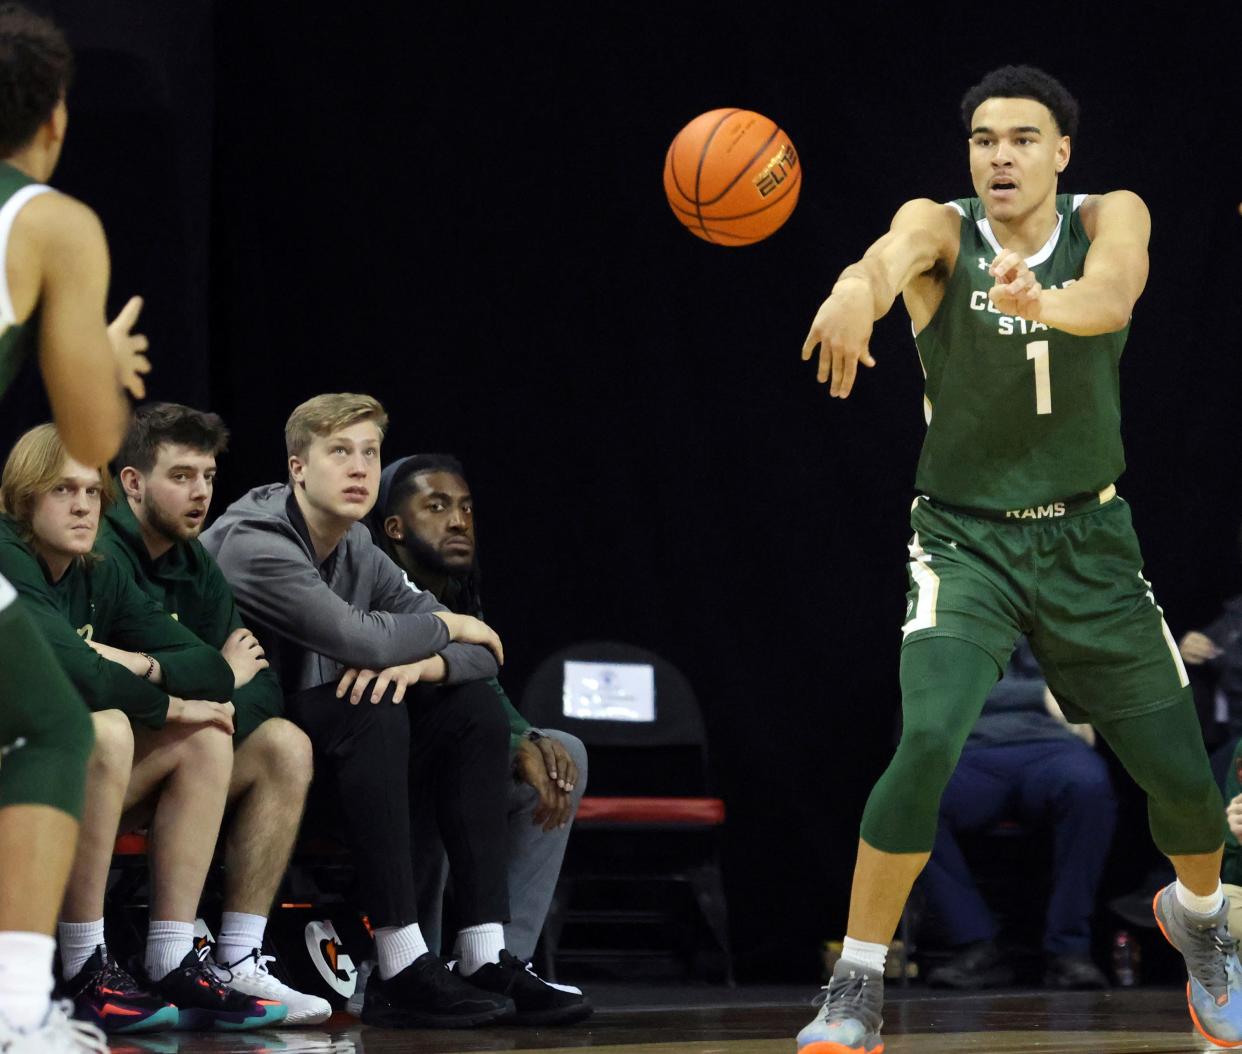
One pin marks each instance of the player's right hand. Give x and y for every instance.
(130, 349)
(1198, 648)
(245, 656)
(842, 329)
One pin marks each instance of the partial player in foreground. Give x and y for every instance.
(1021, 299)
(56, 262)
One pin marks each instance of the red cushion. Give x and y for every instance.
(132, 844)
(708, 812)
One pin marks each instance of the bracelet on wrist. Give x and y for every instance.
(150, 665)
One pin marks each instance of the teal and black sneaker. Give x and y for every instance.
(204, 1002)
(849, 1018)
(103, 994)
(1214, 981)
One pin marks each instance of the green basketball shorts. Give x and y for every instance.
(46, 733)
(1071, 579)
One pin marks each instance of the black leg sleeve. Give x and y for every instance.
(364, 751)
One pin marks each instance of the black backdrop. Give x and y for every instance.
(460, 211)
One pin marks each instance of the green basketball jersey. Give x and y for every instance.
(1018, 415)
(15, 339)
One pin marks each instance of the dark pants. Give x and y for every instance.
(1057, 783)
(450, 745)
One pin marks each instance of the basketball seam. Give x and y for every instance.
(698, 173)
(745, 168)
(672, 167)
(793, 185)
(748, 238)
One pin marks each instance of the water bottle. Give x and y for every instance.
(1126, 960)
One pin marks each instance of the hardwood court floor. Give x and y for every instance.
(764, 1021)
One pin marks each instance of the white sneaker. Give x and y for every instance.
(59, 1034)
(250, 977)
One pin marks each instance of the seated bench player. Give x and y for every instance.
(167, 469)
(425, 520)
(392, 689)
(163, 747)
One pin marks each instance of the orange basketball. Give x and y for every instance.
(732, 176)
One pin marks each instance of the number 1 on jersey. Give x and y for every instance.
(1037, 351)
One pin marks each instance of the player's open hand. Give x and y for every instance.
(1016, 292)
(842, 329)
(130, 349)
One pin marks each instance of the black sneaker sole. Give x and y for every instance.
(403, 1017)
(560, 1015)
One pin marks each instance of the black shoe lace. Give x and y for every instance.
(202, 969)
(113, 975)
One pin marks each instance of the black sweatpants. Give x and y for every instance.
(451, 743)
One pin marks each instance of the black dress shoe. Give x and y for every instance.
(1073, 972)
(426, 995)
(976, 966)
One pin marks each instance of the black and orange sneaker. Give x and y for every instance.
(106, 996)
(204, 1002)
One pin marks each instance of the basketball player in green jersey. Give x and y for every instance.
(55, 280)
(1020, 300)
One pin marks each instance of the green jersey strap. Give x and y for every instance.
(16, 189)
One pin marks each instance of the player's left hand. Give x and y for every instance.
(355, 682)
(130, 348)
(1016, 291)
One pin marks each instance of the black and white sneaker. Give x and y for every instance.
(538, 1002)
(427, 995)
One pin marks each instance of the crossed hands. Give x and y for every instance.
(546, 766)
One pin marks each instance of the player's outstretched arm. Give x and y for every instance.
(81, 365)
(1113, 276)
(921, 234)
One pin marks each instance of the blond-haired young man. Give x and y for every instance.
(163, 745)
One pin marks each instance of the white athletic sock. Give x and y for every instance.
(1197, 905)
(167, 944)
(398, 946)
(479, 945)
(240, 934)
(78, 941)
(868, 956)
(25, 978)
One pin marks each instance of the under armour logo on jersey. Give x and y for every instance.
(983, 264)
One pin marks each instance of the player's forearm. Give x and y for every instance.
(1087, 308)
(868, 278)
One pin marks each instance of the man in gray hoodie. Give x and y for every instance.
(337, 618)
